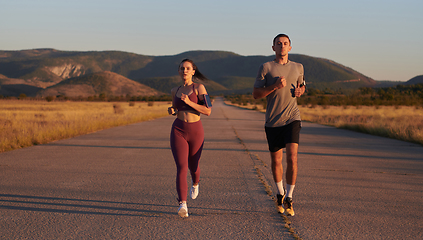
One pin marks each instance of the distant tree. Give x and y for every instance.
(50, 98)
(102, 97)
(366, 90)
(313, 92)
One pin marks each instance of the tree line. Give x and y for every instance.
(400, 95)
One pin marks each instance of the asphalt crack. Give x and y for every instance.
(258, 165)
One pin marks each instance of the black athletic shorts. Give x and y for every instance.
(278, 137)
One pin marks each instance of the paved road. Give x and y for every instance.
(120, 184)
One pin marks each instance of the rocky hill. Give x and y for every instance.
(109, 83)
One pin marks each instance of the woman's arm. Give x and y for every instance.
(172, 110)
(199, 108)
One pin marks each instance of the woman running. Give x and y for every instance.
(187, 135)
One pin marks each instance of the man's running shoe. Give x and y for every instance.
(287, 202)
(280, 199)
(194, 191)
(183, 210)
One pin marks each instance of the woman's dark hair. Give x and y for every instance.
(197, 74)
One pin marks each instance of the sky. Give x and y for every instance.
(381, 39)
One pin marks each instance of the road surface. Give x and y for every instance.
(119, 183)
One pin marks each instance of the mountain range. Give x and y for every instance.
(49, 72)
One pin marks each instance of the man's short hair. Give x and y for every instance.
(281, 35)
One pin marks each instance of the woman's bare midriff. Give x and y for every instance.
(189, 116)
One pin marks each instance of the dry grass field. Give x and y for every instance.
(26, 123)
(398, 122)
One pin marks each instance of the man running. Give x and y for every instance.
(281, 81)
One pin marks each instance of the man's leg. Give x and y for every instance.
(291, 159)
(277, 168)
(291, 176)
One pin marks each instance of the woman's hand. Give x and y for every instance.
(171, 110)
(185, 99)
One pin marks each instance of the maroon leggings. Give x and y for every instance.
(186, 141)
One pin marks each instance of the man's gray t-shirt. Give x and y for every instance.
(282, 106)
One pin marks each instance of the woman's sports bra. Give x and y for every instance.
(181, 105)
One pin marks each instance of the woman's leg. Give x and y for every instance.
(196, 142)
(180, 148)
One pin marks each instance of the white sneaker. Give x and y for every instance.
(183, 210)
(194, 191)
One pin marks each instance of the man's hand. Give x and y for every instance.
(280, 83)
(299, 90)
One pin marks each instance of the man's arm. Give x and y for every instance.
(263, 92)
